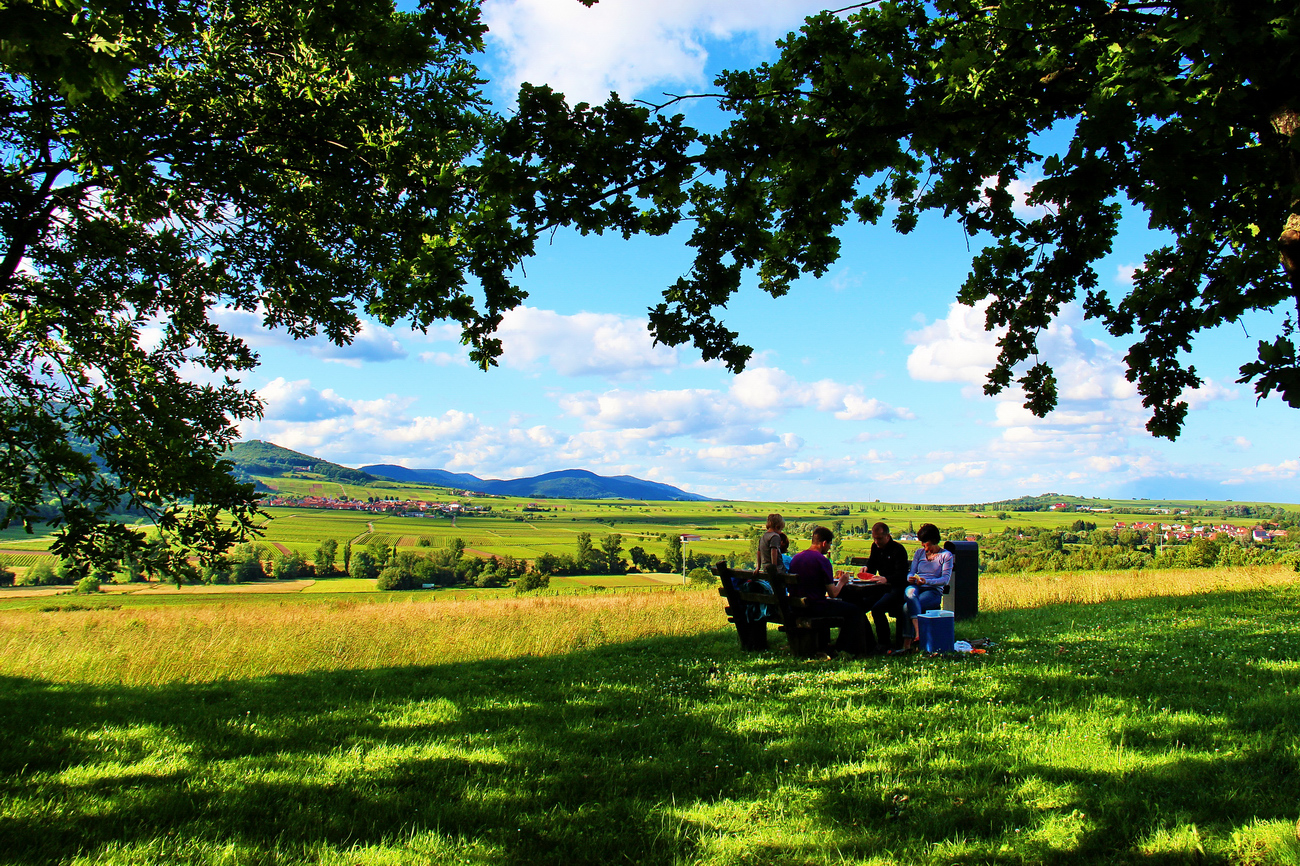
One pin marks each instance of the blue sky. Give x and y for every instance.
(864, 385)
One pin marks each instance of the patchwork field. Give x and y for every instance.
(511, 531)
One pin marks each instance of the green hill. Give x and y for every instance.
(269, 460)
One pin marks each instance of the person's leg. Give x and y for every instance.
(853, 633)
(880, 612)
(912, 605)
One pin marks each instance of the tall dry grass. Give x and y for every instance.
(202, 643)
(166, 644)
(1037, 589)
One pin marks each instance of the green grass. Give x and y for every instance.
(1144, 731)
(342, 584)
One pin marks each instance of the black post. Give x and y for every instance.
(964, 598)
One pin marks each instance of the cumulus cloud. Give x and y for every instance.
(1208, 392)
(649, 413)
(1099, 416)
(374, 343)
(1283, 471)
(769, 390)
(873, 436)
(298, 401)
(583, 344)
(1124, 274)
(757, 394)
(1095, 397)
(444, 359)
(627, 46)
(966, 469)
(955, 348)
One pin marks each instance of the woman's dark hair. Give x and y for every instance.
(785, 541)
(928, 532)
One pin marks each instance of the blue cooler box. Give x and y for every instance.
(937, 633)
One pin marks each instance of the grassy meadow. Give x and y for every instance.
(1122, 717)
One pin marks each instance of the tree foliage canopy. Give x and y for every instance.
(165, 161)
(1185, 109)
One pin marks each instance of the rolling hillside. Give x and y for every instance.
(271, 461)
(564, 484)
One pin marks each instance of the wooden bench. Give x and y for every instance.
(802, 629)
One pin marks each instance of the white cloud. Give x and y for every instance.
(298, 401)
(820, 468)
(967, 469)
(757, 394)
(583, 344)
(876, 435)
(1104, 464)
(1124, 274)
(1285, 470)
(770, 390)
(1091, 433)
(374, 343)
(764, 389)
(954, 349)
(627, 46)
(649, 413)
(1095, 398)
(444, 359)
(1208, 392)
(856, 408)
(1236, 443)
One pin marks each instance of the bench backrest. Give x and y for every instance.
(780, 599)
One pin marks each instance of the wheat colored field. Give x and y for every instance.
(202, 643)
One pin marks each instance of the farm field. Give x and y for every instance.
(510, 531)
(1107, 725)
(525, 536)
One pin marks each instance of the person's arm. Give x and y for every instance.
(945, 569)
(914, 571)
(833, 586)
(877, 563)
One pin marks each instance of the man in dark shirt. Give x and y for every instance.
(817, 582)
(889, 563)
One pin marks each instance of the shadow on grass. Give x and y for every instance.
(1089, 731)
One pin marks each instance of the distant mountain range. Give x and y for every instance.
(564, 484)
(268, 460)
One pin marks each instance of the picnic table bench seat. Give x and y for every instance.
(752, 611)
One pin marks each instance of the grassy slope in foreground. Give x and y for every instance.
(1152, 730)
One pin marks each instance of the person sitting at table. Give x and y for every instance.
(769, 545)
(785, 551)
(887, 563)
(820, 589)
(930, 572)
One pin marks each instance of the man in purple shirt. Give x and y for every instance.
(817, 584)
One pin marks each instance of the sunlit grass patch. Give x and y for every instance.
(630, 728)
(342, 584)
